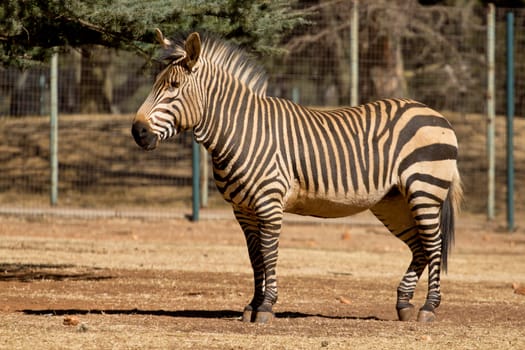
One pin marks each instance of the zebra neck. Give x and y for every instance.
(231, 114)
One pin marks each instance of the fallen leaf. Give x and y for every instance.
(70, 321)
(519, 290)
(426, 337)
(312, 243)
(344, 300)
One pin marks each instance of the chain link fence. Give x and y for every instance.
(434, 54)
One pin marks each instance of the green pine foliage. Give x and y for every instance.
(31, 29)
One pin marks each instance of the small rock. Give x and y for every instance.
(346, 236)
(82, 328)
(324, 343)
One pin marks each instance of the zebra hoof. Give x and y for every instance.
(247, 315)
(406, 313)
(264, 317)
(426, 316)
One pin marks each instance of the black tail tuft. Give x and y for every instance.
(449, 209)
(447, 231)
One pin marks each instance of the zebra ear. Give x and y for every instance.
(165, 43)
(193, 49)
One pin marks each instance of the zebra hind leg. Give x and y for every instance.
(427, 219)
(435, 231)
(394, 213)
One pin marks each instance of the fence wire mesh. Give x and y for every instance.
(434, 54)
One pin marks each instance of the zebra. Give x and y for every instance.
(394, 157)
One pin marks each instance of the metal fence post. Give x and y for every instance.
(510, 122)
(53, 134)
(195, 154)
(204, 177)
(354, 55)
(296, 94)
(491, 110)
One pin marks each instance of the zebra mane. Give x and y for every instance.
(227, 57)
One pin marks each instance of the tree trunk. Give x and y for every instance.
(96, 86)
(388, 76)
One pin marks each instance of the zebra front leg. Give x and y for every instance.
(250, 228)
(269, 231)
(254, 251)
(262, 236)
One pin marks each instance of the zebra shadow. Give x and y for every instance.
(205, 314)
(56, 272)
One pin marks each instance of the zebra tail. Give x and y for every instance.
(449, 210)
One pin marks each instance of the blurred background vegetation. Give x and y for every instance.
(431, 50)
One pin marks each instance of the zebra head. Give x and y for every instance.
(173, 104)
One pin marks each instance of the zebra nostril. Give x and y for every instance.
(137, 131)
(143, 135)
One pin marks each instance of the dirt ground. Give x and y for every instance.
(128, 283)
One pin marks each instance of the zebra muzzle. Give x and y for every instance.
(144, 136)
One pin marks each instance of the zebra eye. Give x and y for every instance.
(174, 85)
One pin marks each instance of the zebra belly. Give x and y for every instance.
(331, 206)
